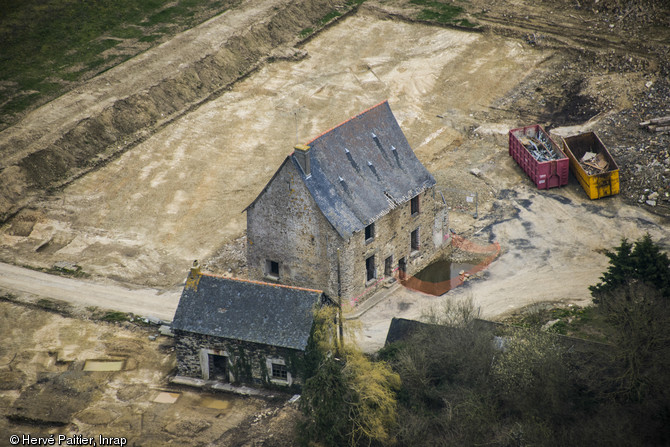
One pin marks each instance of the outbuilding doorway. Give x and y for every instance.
(218, 367)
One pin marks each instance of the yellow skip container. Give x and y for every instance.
(592, 164)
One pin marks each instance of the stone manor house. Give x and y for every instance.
(346, 211)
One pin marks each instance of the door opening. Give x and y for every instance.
(218, 367)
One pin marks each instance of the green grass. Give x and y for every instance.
(44, 43)
(436, 11)
(114, 316)
(328, 17)
(306, 32)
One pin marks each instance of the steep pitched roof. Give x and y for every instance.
(362, 169)
(251, 311)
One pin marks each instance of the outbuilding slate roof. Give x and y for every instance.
(362, 169)
(251, 311)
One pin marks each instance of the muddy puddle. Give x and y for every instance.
(443, 270)
(215, 403)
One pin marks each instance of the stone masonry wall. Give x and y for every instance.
(392, 238)
(247, 362)
(286, 226)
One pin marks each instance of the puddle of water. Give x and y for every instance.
(166, 398)
(212, 402)
(104, 365)
(442, 271)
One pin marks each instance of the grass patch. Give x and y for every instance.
(574, 321)
(150, 38)
(306, 32)
(44, 40)
(8, 297)
(115, 317)
(328, 17)
(436, 11)
(59, 307)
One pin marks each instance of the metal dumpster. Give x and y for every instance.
(592, 164)
(539, 156)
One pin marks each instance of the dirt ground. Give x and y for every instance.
(45, 389)
(179, 194)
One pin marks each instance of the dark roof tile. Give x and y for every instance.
(247, 310)
(362, 169)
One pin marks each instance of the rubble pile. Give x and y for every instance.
(643, 159)
(641, 153)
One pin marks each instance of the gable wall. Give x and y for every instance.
(285, 225)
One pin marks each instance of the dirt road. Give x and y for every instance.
(28, 284)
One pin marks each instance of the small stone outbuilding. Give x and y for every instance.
(347, 211)
(243, 332)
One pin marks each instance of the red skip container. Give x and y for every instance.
(545, 174)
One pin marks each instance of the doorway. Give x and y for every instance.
(402, 268)
(218, 367)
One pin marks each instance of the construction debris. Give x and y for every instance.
(539, 147)
(661, 124)
(594, 163)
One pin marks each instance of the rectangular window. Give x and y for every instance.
(370, 232)
(388, 266)
(272, 269)
(415, 240)
(414, 205)
(279, 371)
(370, 273)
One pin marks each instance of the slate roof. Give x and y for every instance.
(251, 311)
(362, 169)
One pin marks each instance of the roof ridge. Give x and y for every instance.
(262, 283)
(346, 121)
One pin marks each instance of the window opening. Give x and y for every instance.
(370, 232)
(279, 371)
(272, 268)
(415, 240)
(218, 367)
(414, 205)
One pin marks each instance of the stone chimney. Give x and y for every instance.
(195, 269)
(301, 155)
(194, 277)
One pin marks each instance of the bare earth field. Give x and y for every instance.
(134, 223)
(180, 195)
(44, 391)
